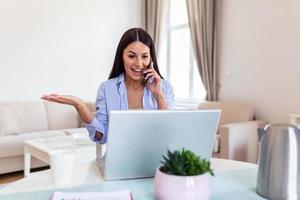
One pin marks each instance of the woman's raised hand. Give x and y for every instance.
(64, 99)
(156, 88)
(81, 107)
(155, 84)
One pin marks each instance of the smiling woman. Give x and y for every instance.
(127, 86)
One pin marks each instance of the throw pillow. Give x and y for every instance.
(8, 125)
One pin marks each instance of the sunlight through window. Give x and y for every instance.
(181, 68)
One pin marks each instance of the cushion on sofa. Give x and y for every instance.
(30, 116)
(61, 116)
(231, 111)
(13, 145)
(16, 163)
(8, 124)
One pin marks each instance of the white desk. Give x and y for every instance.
(237, 183)
(84, 172)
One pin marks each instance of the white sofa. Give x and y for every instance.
(21, 121)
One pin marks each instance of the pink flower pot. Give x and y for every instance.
(172, 187)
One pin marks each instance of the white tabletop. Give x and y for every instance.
(86, 172)
(75, 142)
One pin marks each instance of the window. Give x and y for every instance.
(180, 64)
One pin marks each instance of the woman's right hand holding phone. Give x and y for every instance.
(153, 82)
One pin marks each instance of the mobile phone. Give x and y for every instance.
(149, 79)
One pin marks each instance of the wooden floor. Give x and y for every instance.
(7, 178)
(11, 177)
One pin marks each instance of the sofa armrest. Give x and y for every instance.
(239, 141)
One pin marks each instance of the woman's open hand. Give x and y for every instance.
(82, 109)
(64, 99)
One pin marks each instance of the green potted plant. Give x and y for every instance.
(183, 175)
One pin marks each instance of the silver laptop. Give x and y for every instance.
(136, 140)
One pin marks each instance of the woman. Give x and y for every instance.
(134, 83)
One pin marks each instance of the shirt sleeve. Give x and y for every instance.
(100, 119)
(169, 94)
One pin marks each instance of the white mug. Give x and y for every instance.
(61, 162)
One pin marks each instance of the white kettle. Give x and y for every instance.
(279, 162)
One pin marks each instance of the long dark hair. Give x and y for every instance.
(132, 35)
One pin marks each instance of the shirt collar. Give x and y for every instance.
(120, 79)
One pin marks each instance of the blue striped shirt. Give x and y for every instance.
(112, 95)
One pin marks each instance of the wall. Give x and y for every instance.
(259, 48)
(60, 46)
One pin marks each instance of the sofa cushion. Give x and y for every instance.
(231, 111)
(8, 125)
(61, 116)
(29, 116)
(13, 145)
(16, 163)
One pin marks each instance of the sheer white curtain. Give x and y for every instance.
(202, 22)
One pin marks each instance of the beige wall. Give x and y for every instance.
(63, 46)
(259, 49)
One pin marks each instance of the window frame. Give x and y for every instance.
(172, 28)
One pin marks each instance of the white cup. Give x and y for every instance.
(61, 162)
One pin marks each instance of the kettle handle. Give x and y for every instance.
(262, 131)
(280, 124)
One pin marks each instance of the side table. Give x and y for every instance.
(40, 148)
